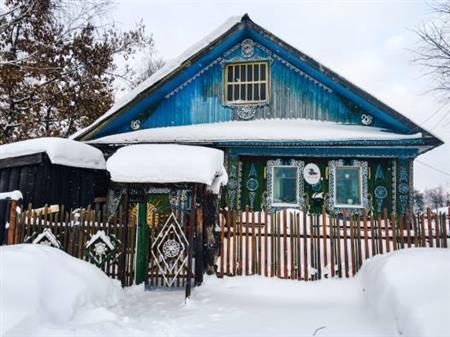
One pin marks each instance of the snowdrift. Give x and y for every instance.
(40, 285)
(411, 289)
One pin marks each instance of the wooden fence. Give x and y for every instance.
(84, 233)
(292, 244)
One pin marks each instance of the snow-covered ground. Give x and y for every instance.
(402, 293)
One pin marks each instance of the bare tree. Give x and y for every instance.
(435, 198)
(434, 50)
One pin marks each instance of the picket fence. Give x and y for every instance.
(292, 244)
(83, 233)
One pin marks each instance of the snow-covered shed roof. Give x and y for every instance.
(167, 163)
(60, 151)
(256, 130)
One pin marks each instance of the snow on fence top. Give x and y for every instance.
(167, 163)
(256, 130)
(13, 195)
(167, 69)
(59, 150)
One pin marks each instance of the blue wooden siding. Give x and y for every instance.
(291, 96)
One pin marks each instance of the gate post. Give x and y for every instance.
(12, 223)
(190, 232)
(142, 244)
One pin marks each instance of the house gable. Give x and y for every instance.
(299, 88)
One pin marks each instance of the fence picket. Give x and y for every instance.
(330, 223)
(352, 246)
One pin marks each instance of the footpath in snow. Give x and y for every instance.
(406, 293)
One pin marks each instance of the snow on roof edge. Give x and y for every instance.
(257, 130)
(168, 68)
(171, 163)
(61, 151)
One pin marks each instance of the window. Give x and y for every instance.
(284, 185)
(247, 82)
(348, 189)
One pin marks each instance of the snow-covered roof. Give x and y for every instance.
(169, 67)
(59, 150)
(168, 163)
(256, 130)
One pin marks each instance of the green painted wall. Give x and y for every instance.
(249, 183)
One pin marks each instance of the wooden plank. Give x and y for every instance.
(438, 230)
(386, 231)
(292, 248)
(430, 229)
(241, 247)
(380, 235)
(318, 250)
(272, 245)
(324, 238)
(338, 234)
(344, 217)
(394, 231)
(278, 258)
(352, 246)
(298, 238)
(305, 247)
(415, 230)
(366, 237)
(235, 244)
(12, 222)
(332, 246)
(408, 228)
(228, 272)
(260, 259)
(253, 250)
(266, 245)
(222, 245)
(372, 235)
(312, 244)
(285, 244)
(247, 244)
(444, 231)
(358, 241)
(401, 232)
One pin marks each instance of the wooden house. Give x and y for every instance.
(295, 133)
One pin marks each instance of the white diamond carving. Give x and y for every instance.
(47, 238)
(169, 249)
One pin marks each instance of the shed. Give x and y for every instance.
(53, 171)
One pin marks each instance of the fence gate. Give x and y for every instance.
(169, 250)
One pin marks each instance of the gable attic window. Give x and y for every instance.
(246, 83)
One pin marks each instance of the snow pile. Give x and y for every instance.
(169, 67)
(44, 285)
(13, 195)
(256, 130)
(59, 150)
(411, 289)
(166, 163)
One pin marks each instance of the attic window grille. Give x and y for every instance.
(247, 83)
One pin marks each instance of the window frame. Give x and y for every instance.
(364, 186)
(300, 187)
(297, 177)
(360, 182)
(231, 65)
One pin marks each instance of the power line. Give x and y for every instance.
(434, 168)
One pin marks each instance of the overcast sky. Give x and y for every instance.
(368, 42)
